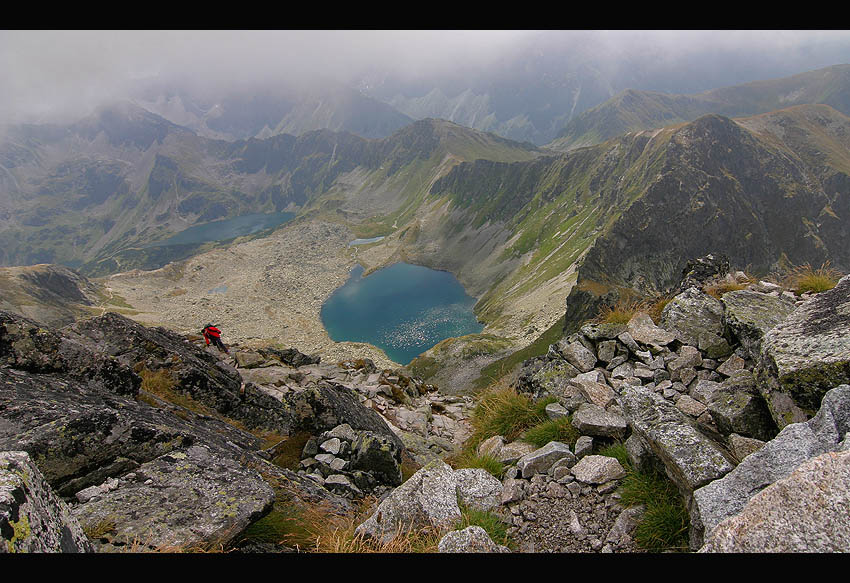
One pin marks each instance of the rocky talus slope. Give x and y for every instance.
(119, 437)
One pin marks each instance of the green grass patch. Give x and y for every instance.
(503, 411)
(495, 527)
(560, 429)
(664, 525)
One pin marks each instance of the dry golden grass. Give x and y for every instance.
(806, 278)
(622, 311)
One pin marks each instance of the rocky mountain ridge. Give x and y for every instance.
(141, 469)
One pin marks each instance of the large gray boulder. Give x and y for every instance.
(750, 315)
(806, 355)
(738, 407)
(806, 512)
(691, 459)
(184, 500)
(33, 519)
(696, 319)
(644, 331)
(428, 499)
(794, 445)
(590, 419)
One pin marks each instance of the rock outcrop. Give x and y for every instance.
(806, 355)
(33, 519)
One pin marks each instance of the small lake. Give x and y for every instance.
(357, 242)
(227, 229)
(403, 309)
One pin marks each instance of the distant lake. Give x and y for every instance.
(357, 242)
(403, 309)
(227, 229)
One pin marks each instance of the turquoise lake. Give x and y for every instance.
(403, 309)
(227, 229)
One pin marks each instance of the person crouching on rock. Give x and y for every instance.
(213, 334)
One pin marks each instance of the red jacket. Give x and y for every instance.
(211, 331)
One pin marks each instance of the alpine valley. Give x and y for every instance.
(616, 208)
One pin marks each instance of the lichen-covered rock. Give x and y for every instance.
(742, 411)
(598, 469)
(806, 355)
(690, 457)
(695, 318)
(795, 444)
(427, 499)
(28, 346)
(590, 419)
(750, 315)
(472, 539)
(187, 499)
(478, 489)
(644, 331)
(33, 519)
(577, 355)
(806, 512)
(378, 455)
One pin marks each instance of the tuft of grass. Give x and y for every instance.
(560, 429)
(655, 308)
(503, 411)
(100, 529)
(621, 312)
(805, 278)
(495, 527)
(718, 289)
(664, 525)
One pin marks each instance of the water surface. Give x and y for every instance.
(403, 309)
(227, 228)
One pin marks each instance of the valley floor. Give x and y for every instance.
(272, 290)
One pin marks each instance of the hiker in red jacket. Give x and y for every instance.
(213, 334)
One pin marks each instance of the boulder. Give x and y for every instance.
(795, 444)
(33, 519)
(590, 419)
(598, 469)
(472, 539)
(742, 410)
(750, 315)
(540, 460)
(511, 452)
(541, 377)
(427, 499)
(577, 355)
(805, 512)
(695, 318)
(478, 489)
(690, 458)
(644, 331)
(594, 392)
(28, 346)
(378, 455)
(192, 499)
(806, 355)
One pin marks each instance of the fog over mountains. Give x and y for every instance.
(523, 85)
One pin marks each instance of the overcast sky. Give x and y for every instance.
(53, 71)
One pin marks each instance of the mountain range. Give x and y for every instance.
(511, 220)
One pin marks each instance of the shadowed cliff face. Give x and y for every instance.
(720, 187)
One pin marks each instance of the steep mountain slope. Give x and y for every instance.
(633, 110)
(101, 190)
(770, 191)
